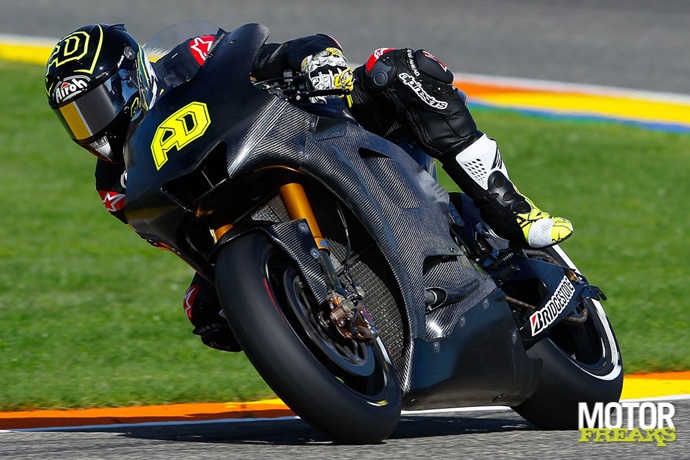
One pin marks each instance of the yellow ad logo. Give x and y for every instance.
(179, 130)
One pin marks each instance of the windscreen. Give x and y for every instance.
(164, 41)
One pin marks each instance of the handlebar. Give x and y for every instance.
(293, 87)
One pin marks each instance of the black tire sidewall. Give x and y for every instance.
(562, 386)
(284, 362)
(564, 382)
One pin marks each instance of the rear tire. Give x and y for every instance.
(347, 389)
(581, 363)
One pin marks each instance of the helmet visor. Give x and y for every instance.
(89, 114)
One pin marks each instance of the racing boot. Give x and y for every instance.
(480, 172)
(401, 90)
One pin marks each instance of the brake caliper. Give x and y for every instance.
(350, 317)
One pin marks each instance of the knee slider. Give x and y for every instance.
(432, 81)
(433, 67)
(438, 79)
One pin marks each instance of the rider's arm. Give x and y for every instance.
(110, 183)
(274, 58)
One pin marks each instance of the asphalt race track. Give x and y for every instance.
(497, 434)
(634, 44)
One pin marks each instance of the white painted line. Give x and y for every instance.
(152, 424)
(594, 90)
(290, 418)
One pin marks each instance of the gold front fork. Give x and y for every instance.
(347, 312)
(348, 315)
(298, 207)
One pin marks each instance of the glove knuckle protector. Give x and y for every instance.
(328, 69)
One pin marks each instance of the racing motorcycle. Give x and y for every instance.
(355, 284)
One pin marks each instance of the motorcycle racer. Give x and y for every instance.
(100, 82)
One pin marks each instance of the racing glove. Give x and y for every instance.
(327, 70)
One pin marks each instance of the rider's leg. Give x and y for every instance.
(415, 90)
(203, 309)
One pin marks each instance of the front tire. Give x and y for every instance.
(347, 389)
(581, 363)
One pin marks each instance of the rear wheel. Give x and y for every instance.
(581, 363)
(344, 387)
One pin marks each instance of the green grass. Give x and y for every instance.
(91, 315)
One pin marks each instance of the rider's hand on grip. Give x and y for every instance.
(328, 70)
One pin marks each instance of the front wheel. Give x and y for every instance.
(580, 363)
(347, 389)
